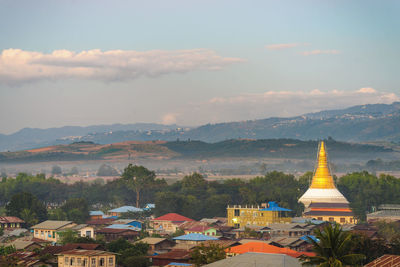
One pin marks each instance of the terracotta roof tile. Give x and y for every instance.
(172, 217)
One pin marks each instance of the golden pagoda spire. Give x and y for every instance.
(322, 178)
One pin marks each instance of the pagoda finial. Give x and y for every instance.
(322, 178)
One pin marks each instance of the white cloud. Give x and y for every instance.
(284, 46)
(18, 66)
(278, 104)
(169, 118)
(320, 52)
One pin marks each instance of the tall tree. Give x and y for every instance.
(23, 201)
(333, 248)
(205, 254)
(138, 178)
(76, 209)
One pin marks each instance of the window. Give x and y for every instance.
(342, 220)
(72, 261)
(89, 233)
(319, 219)
(351, 220)
(79, 261)
(84, 262)
(237, 225)
(66, 260)
(110, 261)
(93, 262)
(237, 212)
(331, 219)
(101, 262)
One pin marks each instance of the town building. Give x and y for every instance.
(194, 239)
(205, 230)
(48, 230)
(323, 200)
(175, 256)
(84, 230)
(82, 257)
(157, 244)
(9, 222)
(243, 215)
(121, 210)
(168, 223)
(111, 234)
(385, 212)
(96, 214)
(262, 247)
(252, 259)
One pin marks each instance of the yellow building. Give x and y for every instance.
(86, 258)
(48, 230)
(242, 215)
(322, 200)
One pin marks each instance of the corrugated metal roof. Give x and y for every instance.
(386, 260)
(123, 226)
(152, 240)
(195, 237)
(10, 219)
(126, 209)
(52, 225)
(84, 252)
(96, 213)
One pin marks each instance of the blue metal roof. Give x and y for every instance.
(126, 209)
(273, 206)
(123, 226)
(179, 264)
(195, 237)
(96, 213)
(310, 236)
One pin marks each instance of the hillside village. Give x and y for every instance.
(134, 236)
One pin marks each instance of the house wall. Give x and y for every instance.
(337, 219)
(88, 261)
(166, 226)
(84, 232)
(239, 216)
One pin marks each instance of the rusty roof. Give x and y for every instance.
(58, 249)
(85, 252)
(386, 260)
(10, 219)
(175, 254)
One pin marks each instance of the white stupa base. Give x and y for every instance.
(322, 195)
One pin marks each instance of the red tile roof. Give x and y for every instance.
(385, 261)
(261, 247)
(173, 217)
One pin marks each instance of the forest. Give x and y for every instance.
(195, 197)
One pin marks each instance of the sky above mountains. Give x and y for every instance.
(192, 62)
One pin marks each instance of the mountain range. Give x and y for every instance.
(363, 123)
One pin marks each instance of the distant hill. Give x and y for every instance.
(28, 138)
(364, 123)
(272, 148)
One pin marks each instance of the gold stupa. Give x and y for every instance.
(322, 178)
(322, 188)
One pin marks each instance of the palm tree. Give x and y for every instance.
(333, 248)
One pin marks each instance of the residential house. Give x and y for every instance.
(111, 234)
(295, 243)
(175, 255)
(157, 245)
(82, 257)
(385, 212)
(193, 238)
(100, 223)
(84, 230)
(261, 247)
(168, 223)
(48, 230)
(9, 222)
(252, 259)
(131, 222)
(25, 245)
(124, 209)
(243, 215)
(96, 214)
(205, 230)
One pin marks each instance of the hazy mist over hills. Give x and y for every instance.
(375, 122)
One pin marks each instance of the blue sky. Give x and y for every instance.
(192, 62)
